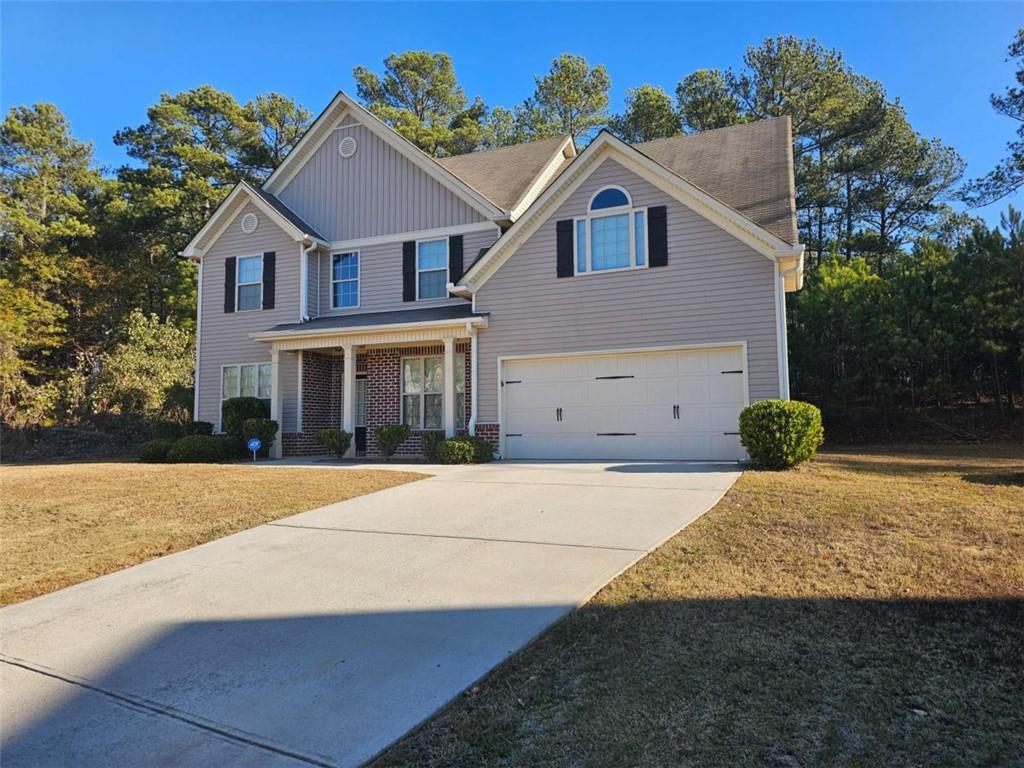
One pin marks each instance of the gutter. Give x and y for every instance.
(470, 322)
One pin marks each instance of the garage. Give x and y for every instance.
(664, 404)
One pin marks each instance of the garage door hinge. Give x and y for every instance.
(513, 434)
(739, 371)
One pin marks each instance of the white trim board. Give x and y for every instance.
(419, 234)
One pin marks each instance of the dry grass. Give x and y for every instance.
(64, 523)
(865, 609)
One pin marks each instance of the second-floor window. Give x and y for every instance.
(249, 281)
(432, 269)
(612, 236)
(345, 280)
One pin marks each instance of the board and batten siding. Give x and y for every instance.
(714, 289)
(225, 338)
(377, 191)
(380, 276)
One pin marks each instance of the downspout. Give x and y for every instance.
(199, 337)
(783, 331)
(474, 366)
(304, 276)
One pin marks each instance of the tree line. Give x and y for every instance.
(907, 302)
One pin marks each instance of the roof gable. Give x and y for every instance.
(606, 145)
(332, 117)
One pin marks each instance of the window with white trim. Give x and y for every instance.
(432, 269)
(345, 280)
(613, 234)
(249, 283)
(423, 392)
(246, 380)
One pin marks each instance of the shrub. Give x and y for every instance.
(263, 429)
(780, 433)
(431, 441)
(199, 428)
(456, 450)
(238, 409)
(196, 449)
(483, 451)
(389, 437)
(155, 451)
(337, 441)
(164, 429)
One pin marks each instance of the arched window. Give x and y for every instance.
(613, 234)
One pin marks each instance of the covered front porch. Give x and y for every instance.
(360, 372)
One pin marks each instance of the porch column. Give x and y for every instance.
(348, 395)
(275, 401)
(448, 396)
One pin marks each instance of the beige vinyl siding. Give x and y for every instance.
(380, 276)
(312, 284)
(225, 335)
(714, 289)
(375, 192)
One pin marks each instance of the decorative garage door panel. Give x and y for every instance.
(652, 405)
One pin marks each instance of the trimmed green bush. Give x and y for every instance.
(483, 451)
(431, 441)
(780, 433)
(165, 429)
(237, 409)
(389, 437)
(263, 429)
(456, 450)
(199, 428)
(196, 449)
(155, 451)
(337, 441)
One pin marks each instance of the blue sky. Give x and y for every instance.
(103, 64)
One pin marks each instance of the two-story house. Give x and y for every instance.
(625, 302)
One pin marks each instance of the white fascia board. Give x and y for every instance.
(479, 321)
(224, 215)
(420, 234)
(553, 164)
(322, 129)
(605, 146)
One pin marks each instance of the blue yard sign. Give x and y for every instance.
(254, 445)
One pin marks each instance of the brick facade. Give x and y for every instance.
(490, 433)
(322, 377)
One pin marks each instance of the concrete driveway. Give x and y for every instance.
(321, 638)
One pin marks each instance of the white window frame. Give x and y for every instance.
(358, 280)
(239, 284)
(238, 389)
(418, 270)
(402, 393)
(630, 211)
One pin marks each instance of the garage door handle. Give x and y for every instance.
(598, 378)
(675, 411)
(558, 414)
(739, 371)
(616, 434)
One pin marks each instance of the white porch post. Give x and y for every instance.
(275, 401)
(348, 395)
(448, 396)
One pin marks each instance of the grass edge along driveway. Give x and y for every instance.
(864, 609)
(61, 524)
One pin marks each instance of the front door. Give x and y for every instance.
(360, 420)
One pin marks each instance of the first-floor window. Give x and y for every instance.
(251, 380)
(423, 388)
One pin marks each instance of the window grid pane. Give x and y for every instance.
(248, 378)
(460, 411)
(638, 234)
(250, 296)
(263, 383)
(412, 375)
(229, 387)
(411, 411)
(609, 198)
(433, 374)
(432, 284)
(609, 242)
(432, 411)
(460, 374)
(581, 246)
(346, 266)
(250, 269)
(346, 293)
(432, 254)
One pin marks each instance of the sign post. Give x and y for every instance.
(254, 445)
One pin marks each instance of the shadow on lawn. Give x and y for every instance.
(693, 682)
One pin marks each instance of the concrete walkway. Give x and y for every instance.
(321, 638)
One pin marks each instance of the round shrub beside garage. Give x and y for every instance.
(779, 434)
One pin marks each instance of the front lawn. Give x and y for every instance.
(865, 609)
(64, 523)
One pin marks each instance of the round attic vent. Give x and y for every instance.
(347, 147)
(249, 223)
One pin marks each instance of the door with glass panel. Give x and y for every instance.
(360, 414)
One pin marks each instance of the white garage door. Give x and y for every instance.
(682, 404)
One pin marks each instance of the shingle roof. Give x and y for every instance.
(747, 166)
(287, 212)
(504, 175)
(398, 316)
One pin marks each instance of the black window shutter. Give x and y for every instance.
(563, 244)
(657, 237)
(269, 267)
(229, 284)
(455, 258)
(409, 270)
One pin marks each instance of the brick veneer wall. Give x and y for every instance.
(490, 433)
(322, 396)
